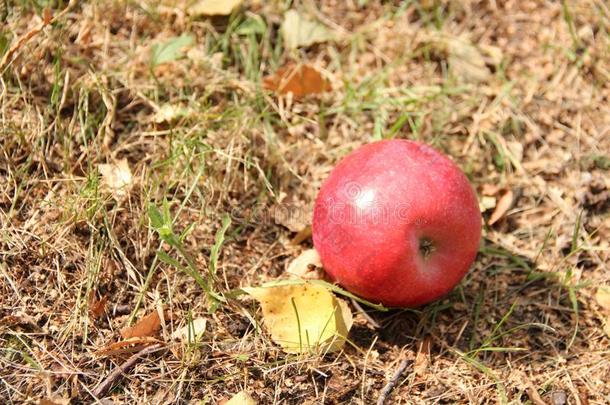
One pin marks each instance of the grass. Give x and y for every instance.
(197, 223)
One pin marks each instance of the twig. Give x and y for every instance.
(47, 20)
(103, 388)
(385, 392)
(366, 316)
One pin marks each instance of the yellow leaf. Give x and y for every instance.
(299, 31)
(303, 317)
(213, 7)
(241, 398)
(192, 331)
(602, 296)
(116, 177)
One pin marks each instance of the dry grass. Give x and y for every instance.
(523, 327)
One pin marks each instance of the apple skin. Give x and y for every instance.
(397, 223)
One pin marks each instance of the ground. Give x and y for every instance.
(516, 92)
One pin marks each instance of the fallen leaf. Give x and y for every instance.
(301, 235)
(134, 344)
(47, 15)
(97, 307)
(300, 80)
(503, 205)
(487, 203)
(192, 331)
(54, 400)
(254, 24)
(171, 50)
(422, 360)
(602, 296)
(169, 113)
(300, 31)
(147, 326)
(465, 60)
(241, 398)
(300, 266)
(516, 150)
(303, 317)
(116, 177)
(213, 7)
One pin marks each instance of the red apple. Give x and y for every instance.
(397, 222)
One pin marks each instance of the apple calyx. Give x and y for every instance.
(426, 247)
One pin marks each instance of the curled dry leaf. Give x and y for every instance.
(300, 80)
(213, 7)
(304, 317)
(297, 30)
(241, 398)
(504, 204)
(422, 360)
(147, 326)
(116, 178)
(130, 345)
(301, 265)
(192, 331)
(97, 307)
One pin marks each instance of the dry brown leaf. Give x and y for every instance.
(147, 326)
(422, 360)
(47, 15)
(602, 296)
(134, 344)
(301, 265)
(503, 205)
(300, 80)
(97, 307)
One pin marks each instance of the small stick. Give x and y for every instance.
(385, 392)
(102, 389)
(366, 316)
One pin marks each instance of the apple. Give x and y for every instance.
(397, 222)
